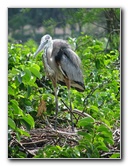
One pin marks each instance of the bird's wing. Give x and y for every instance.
(70, 64)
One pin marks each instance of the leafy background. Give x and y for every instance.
(31, 105)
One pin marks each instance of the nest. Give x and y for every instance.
(42, 136)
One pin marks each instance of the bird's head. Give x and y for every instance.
(46, 42)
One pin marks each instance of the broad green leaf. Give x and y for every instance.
(26, 78)
(19, 78)
(11, 123)
(37, 67)
(106, 134)
(16, 108)
(10, 90)
(85, 121)
(29, 120)
(23, 132)
(28, 91)
(24, 123)
(15, 71)
(115, 155)
(109, 140)
(27, 102)
(18, 136)
(103, 147)
(97, 63)
(35, 72)
(100, 144)
(107, 122)
(95, 108)
(88, 136)
(76, 151)
(102, 128)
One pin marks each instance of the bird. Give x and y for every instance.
(62, 66)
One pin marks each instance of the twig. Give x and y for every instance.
(99, 25)
(58, 131)
(67, 107)
(82, 113)
(63, 132)
(48, 123)
(110, 153)
(21, 145)
(43, 85)
(35, 142)
(115, 30)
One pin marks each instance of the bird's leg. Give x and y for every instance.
(67, 81)
(54, 81)
(69, 97)
(56, 104)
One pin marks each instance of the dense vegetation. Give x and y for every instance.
(96, 111)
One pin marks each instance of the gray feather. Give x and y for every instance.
(69, 62)
(72, 69)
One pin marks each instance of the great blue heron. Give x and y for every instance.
(62, 65)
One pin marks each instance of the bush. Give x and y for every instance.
(100, 101)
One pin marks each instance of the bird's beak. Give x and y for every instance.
(40, 48)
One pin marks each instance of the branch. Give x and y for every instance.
(83, 114)
(99, 25)
(35, 142)
(115, 30)
(22, 146)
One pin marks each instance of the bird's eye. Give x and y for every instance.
(47, 37)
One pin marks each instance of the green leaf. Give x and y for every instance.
(95, 108)
(85, 121)
(115, 155)
(28, 91)
(23, 132)
(97, 63)
(11, 123)
(76, 151)
(109, 140)
(106, 134)
(16, 108)
(37, 67)
(100, 143)
(26, 78)
(10, 90)
(29, 120)
(35, 72)
(103, 147)
(19, 78)
(102, 128)
(15, 71)
(88, 136)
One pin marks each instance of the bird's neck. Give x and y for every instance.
(49, 49)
